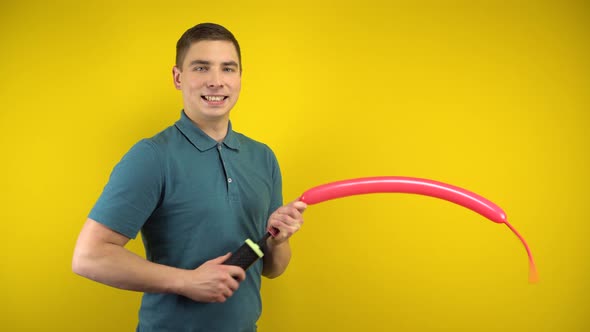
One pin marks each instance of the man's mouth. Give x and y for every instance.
(214, 98)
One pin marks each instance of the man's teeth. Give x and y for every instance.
(214, 98)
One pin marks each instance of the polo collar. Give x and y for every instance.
(201, 140)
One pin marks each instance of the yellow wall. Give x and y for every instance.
(491, 96)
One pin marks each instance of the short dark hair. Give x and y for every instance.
(204, 31)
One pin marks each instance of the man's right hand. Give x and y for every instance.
(212, 281)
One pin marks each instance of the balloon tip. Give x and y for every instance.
(533, 276)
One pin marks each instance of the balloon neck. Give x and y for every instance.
(533, 275)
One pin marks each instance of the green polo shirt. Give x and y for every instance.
(194, 199)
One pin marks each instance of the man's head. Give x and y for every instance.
(208, 72)
(200, 32)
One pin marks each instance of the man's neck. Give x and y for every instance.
(214, 128)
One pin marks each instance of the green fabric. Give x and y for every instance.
(194, 199)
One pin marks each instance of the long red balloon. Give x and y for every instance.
(399, 184)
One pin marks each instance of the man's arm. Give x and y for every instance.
(288, 220)
(100, 255)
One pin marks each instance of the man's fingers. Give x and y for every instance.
(288, 212)
(236, 273)
(299, 205)
(220, 259)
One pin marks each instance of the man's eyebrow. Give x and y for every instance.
(199, 62)
(208, 63)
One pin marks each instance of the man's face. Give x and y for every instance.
(210, 80)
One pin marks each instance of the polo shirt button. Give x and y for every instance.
(229, 180)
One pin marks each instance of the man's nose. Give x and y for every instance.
(214, 79)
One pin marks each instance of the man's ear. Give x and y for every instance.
(176, 77)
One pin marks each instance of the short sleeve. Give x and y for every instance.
(132, 192)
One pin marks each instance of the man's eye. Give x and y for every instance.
(199, 69)
(229, 69)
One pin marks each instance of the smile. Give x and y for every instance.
(214, 98)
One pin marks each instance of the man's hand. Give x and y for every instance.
(212, 281)
(288, 220)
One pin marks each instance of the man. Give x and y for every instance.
(196, 191)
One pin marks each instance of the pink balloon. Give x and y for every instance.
(399, 184)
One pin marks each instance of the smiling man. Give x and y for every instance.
(195, 191)
(209, 77)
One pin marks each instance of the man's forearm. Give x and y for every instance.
(116, 266)
(276, 258)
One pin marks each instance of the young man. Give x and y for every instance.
(196, 191)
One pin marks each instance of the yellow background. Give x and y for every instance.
(491, 96)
